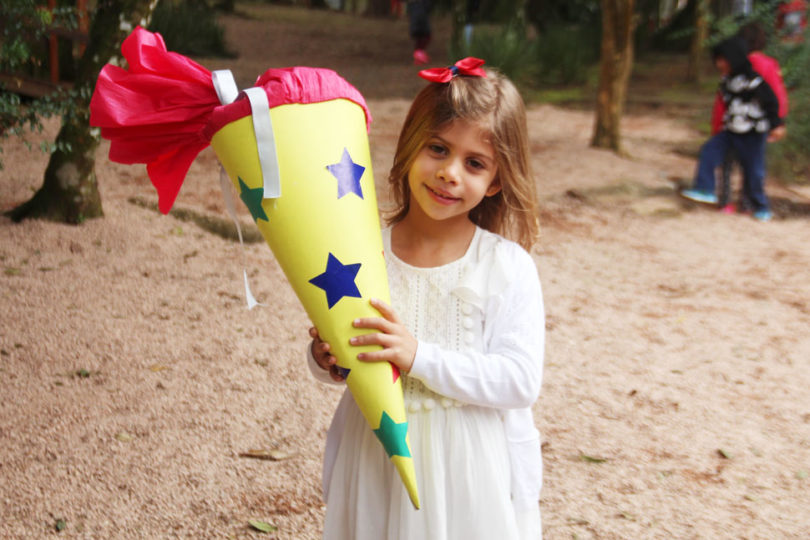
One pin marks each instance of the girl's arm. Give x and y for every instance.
(510, 373)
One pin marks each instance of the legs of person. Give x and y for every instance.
(724, 193)
(419, 28)
(711, 157)
(751, 154)
(712, 154)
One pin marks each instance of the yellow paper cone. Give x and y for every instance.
(324, 231)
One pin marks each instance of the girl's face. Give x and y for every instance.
(453, 172)
(722, 65)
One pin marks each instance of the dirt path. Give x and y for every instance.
(674, 403)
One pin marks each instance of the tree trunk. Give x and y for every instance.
(614, 71)
(69, 191)
(698, 38)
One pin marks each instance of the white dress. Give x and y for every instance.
(476, 373)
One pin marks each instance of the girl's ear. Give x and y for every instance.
(493, 188)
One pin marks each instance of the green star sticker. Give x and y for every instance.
(392, 436)
(253, 200)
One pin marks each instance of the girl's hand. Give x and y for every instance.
(322, 356)
(777, 134)
(399, 346)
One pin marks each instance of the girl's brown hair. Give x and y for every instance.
(494, 103)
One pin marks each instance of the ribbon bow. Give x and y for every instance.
(470, 66)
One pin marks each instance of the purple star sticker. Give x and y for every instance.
(348, 174)
(338, 280)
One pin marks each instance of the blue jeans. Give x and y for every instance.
(750, 149)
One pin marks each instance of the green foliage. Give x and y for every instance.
(189, 27)
(565, 53)
(23, 29)
(504, 47)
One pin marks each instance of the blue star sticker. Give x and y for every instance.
(392, 436)
(338, 280)
(253, 200)
(348, 174)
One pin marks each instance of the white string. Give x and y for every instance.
(225, 184)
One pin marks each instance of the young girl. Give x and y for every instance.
(466, 329)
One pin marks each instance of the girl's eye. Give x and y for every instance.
(476, 164)
(437, 148)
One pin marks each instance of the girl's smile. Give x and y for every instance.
(441, 196)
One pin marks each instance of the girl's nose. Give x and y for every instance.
(449, 172)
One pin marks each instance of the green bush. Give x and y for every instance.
(190, 28)
(565, 53)
(506, 47)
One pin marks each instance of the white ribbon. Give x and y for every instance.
(265, 141)
(226, 89)
(225, 86)
(227, 194)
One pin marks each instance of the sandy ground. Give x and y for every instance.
(674, 402)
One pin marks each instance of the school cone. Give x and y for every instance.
(324, 231)
(295, 147)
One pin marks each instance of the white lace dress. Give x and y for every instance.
(465, 442)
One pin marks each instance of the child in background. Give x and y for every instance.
(419, 29)
(751, 120)
(755, 39)
(466, 329)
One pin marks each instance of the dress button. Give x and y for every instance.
(446, 402)
(469, 337)
(467, 322)
(415, 406)
(466, 308)
(428, 404)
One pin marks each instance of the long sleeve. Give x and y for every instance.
(770, 105)
(508, 374)
(718, 111)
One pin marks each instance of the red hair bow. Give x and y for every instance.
(467, 66)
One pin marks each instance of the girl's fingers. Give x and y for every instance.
(377, 356)
(385, 310)
(375, 323)
(374, 338)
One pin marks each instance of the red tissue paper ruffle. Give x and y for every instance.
(154, 112)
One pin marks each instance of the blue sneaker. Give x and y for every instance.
(763, 215)
(698, 195)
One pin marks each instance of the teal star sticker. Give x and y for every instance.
(392, 436)
(253, 200)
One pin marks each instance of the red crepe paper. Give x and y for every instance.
(153, 112)
(470, 66)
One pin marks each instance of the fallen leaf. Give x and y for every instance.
(724, 453)
(801, 475)
(267, 454)
(262, 526)
(591, 459)
(60, 525)
(123, 436)
(157, 367)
